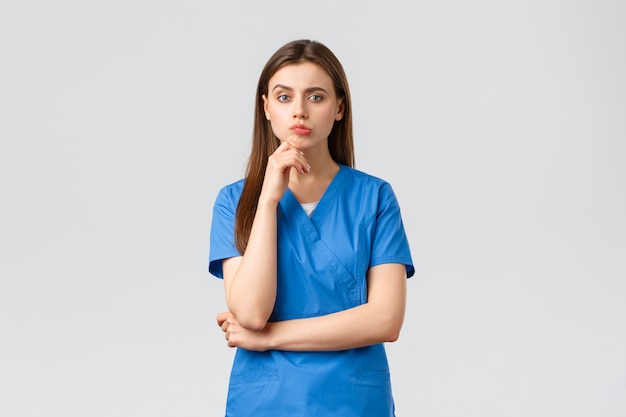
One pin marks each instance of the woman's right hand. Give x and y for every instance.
(279, 166)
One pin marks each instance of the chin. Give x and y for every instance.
(299, 142)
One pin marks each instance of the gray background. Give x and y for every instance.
(501, 126)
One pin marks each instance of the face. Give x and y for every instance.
(302, 106)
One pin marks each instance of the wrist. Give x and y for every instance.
(267, 202)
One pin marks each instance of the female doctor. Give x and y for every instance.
(312, 252)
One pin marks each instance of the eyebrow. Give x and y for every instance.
(308, 90)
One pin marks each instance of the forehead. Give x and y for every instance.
(302, 75)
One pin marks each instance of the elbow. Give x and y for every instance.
(392, 328)
(255, 325)
(251, 322)
(254, 319)
(392, 334)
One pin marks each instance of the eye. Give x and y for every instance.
(282, 97)
(315, 97)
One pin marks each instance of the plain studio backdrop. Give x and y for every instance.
(500, 125)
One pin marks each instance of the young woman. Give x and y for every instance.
(313, 253)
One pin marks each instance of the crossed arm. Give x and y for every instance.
(378, 320)
(250, 286)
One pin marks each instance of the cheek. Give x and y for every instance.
(278, 128)
(275, 113)
(331, 115)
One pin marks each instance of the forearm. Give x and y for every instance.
(250, 280)
(251, 290)
(356, 327)
(377, 321)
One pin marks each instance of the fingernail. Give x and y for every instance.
(308, 167)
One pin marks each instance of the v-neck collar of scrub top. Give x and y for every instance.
(290, 203)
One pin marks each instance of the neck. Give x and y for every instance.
(323, 167)
(311, 186)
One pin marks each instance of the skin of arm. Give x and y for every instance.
(378, 320)
(256, 269)
(250, 280)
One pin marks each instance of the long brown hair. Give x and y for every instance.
(264, 142)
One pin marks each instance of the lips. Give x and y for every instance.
(301, 130)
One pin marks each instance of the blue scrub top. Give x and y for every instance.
(322, 267)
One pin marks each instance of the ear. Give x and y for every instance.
(340, 109)
(267, 113)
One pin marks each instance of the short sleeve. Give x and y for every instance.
(222, 241)
(389, 242)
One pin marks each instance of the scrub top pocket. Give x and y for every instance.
(252, 367)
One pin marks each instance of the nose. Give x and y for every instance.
(299, 109)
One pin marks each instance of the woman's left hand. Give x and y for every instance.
(238, 336)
